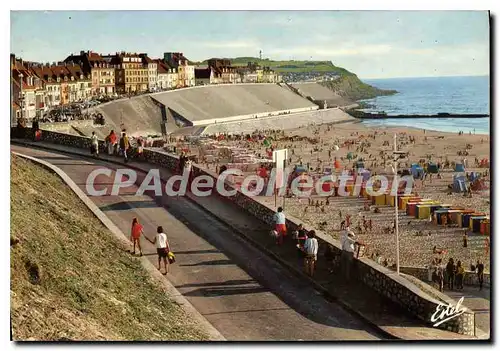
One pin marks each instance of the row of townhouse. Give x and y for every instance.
(220, 71)
(80, 77)
(38, 87)
(125, 73)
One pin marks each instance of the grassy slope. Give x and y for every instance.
(89, 288)
(353, 88)
(348, 85)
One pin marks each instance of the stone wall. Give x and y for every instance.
(422, 273)
(65, 126)
(386, 282)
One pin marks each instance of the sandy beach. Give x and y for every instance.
(316, 148)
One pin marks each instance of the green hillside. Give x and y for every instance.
(289, 66)
(354, 89)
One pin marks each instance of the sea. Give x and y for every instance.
(464, 95)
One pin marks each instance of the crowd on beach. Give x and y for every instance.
(337, 148)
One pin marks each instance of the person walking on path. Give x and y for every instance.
(94, 145)
(135, 235)
(162, 248)
(347, 241)
(124, 145)
(450, 273)
(311, 251)
(182, 162)
(480, 274)
(35, 128)
(280, 225)
(111, 139)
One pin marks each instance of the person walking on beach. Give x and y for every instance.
(450, 273)
(311, 251)
(94, 145)
(162, 248)
(460, 273)
(480, 274)
(280, 225)
(347, 241)
(135, 235)
(124, 145)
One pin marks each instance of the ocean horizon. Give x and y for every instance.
(433, 95)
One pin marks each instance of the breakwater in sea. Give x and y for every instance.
(382, 115)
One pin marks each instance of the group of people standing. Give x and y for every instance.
(452, 275)
(114, 145)
(308, 245)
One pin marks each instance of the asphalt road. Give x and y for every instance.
(245, 294)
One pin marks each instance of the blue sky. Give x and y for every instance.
(372, 44)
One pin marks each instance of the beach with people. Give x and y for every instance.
(332, 149)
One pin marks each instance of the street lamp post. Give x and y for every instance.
(21, 97)
(396, 207)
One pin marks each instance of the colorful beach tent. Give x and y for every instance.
(459, 184)
(416, 171)
(432, 168)
(459, 167)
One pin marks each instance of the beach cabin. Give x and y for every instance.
(423, 211)
(405, 200)
(485, 227)
(411, 207)
(467, 217)
(475, 223)
(452, 212)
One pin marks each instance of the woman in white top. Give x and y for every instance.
(311, 251)
(162, 248)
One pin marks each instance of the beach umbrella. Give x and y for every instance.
(336, 148)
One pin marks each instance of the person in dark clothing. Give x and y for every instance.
(480, 274)
(182, 162)
(301, 236)
(450, 273)
(222, 169)
(465, 239)
(460, 273)
(35, 128)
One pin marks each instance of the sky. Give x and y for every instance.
(372, 44)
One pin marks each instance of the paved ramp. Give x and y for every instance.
(139, 115)
(212, 102)
(242, 292)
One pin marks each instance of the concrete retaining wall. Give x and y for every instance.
(253, 116)
(386, 282)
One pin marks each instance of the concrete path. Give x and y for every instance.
(242, 292)
(478, 301)
(390, 318)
